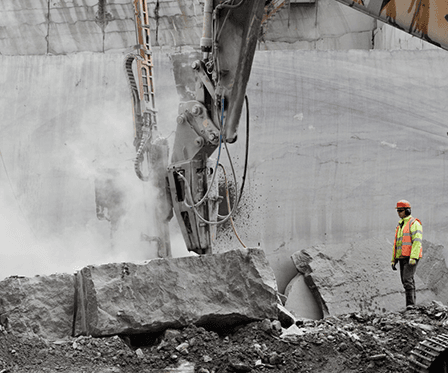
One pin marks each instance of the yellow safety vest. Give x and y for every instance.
(403, 243)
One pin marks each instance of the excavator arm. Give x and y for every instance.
(210, 121)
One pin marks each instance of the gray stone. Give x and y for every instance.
(40, 305)
(276, 325)
(215, 290)
(266, 325)
(355, 277)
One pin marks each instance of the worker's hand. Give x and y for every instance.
(394, 265)
(412, 261)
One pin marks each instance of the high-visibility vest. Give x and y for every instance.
(404, 243)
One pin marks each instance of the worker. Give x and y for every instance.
(407, 249)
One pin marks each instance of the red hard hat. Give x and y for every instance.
(403, 204)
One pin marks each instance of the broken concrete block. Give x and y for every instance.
(41, 305)
(300, 300)
(355, 277)
(211, 290)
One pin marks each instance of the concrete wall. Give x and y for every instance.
(64, 26)
(70, 26)
(336, 139)
(324, 25)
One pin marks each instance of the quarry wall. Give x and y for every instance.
(337, 136)
(107, 26)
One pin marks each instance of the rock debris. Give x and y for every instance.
(353, 342)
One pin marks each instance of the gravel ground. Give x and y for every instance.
(347, 343)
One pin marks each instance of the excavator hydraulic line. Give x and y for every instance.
(142, 89)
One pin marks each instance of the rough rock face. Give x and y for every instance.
(40, 305)
(357, 277)
(213, 290)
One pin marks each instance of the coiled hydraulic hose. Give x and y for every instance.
(139, 157)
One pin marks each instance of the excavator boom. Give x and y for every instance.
(210, 120)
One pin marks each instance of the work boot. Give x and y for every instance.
(410, 298)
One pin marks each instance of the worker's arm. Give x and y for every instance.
(417, 237)
(393, 254)
(394, 248)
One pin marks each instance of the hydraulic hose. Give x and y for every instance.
(246, 155)
(228, 206)
(238, 194)
(202, 200)
(139, 159)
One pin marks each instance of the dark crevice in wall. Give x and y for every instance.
(156, 16)
(374, 31)
(103, 17)
(47, 37)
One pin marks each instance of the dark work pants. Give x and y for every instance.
(407, 273)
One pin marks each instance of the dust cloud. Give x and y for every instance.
(100, 212)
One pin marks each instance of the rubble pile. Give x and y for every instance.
(215, 314)
(353, 342)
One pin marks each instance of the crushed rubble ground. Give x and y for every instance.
(356, 342)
